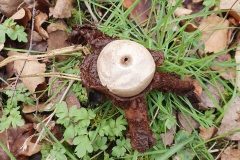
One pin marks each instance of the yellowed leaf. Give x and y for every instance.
(19, 14)
(29, 148)
(187, 122)
(207, 133)
(59, 25)
(214, 33)
(180, 11)
(30, 67)
(230, 4)
(62, 9)
(9, 7)
(230, 154)
(39, 20)
(233, 6)
(40, 108)
(231, 119)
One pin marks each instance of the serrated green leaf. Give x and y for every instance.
(84, 146)
(69, 132)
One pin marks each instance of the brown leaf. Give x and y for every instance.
(30, 67)
(71, 98)
(36, 37)
(38, 43)
(228, 73)
(62, 9)
(230, 154)
(39, 20)
(168, 137)
(180, 11)
(41, 5)
(207, 133)
(9, 7)
(39, 108)
(233, 6)
(194, 5)
(57, 40)
(186, 122)
(231, 119)
(18, 138)
(29, 148)
(57, 31)
(141, 12)
(211, 96)
(214, 33)
(58, 26)
(22, 16)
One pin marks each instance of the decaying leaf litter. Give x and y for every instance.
(47, 113)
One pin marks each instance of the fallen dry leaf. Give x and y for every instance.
(168, 137)
(30, 67)
(187, 122)
(57, 40)
(71, 99)
(194, 5)
(36, 37)
(207, 133)
(237, 59)
(22, 16)
(231, 119)
(41, 5)
(38, 43)
(9, 7)
(58, 26)
(214, 33)
(230, 154)
(18, 138)
(39, 108)
(141, 12)
(228, 73)
(57, 31)
(62, 9)
(39, 20)
(211, 96)
(233, 6)
(180, 11)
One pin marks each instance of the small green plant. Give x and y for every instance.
(11, 116)
(76, 121)
(121, 148)
(13, 31)
(56, 152)
(78, 130)
(80, 92)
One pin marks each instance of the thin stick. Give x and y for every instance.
(52, 53)
(51, 74)
(49, 118)
(91, 12)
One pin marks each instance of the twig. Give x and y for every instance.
(91, 12)
(52, 53)
(49, 118)
(51, 74)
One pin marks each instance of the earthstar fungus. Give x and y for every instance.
(133, 104)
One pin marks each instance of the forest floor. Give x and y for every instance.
(47, 113)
